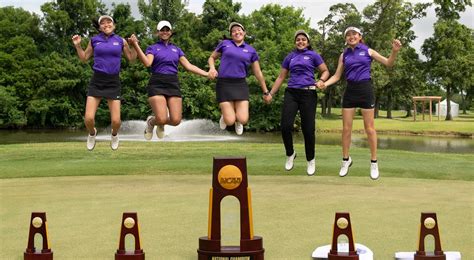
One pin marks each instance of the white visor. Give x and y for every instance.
(352, 28)
(102, 17)
(162, 24)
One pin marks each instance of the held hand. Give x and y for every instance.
(396, 45)
(76, 39)
(320, 85)
(212, 74)
(133, 40)
(267, 99)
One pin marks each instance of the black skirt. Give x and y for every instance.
(231, 89)
(359, 94)
(105, 85)
(163, 84)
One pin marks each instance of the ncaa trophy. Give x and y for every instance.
(38, 225)
(429, 226)
(129, 226)
(342, 226)
(229, 178)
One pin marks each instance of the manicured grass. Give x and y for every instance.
(293, 213)
(157, 158)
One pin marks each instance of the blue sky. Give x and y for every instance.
(313, 9)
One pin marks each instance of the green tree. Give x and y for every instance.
(450, 50)
(332, 44)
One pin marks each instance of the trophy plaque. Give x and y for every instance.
(129, 226)
(429, 226)
(342, 226)
(38, 225)
(229, 178)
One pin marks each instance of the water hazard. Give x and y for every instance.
(199, 130)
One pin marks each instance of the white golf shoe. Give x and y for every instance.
(374, 171)
(149, 128)
(311, 167)
(222, 124)
(160, 131)
(114, 142)
(91, 140)
(289, 161)
(239, 128)
(345, 167)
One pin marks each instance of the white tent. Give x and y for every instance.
(444, 108)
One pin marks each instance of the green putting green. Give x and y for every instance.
(293, 213)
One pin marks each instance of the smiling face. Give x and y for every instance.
(301, 42)
(237, 33)
(353, 38)
(165, 33)
(107, 26)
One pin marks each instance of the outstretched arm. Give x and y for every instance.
(212, 64)
(147, 60)
(396, 46)
(323, 75)
(276, 85)
(84, 56)
(337, 76)
(130, 53)
(259, 75)
(192, 68)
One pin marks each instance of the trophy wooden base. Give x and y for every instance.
(39, 255)
(430, 256)
(252, 248)
(130, 255)
(342, 256)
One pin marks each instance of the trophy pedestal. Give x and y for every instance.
(248, 247)
(38, 255)
(321, 253)
(450, 255)
(130, 255)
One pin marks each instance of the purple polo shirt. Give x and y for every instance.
(301, 65)
(357, 63)
(235, 60)
(166, 58)
(107, 53)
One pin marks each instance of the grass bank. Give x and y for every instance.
(194, 158)
(462, 126)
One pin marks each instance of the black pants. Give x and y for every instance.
(304, 101)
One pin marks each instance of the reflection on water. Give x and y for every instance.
(206, 130)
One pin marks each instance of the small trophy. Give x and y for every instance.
(129, 226)
(429, 226)
(342, 226)
(38, 225)
(229, 178)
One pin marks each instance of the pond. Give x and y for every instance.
(206, 130)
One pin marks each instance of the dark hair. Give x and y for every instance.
(309, 42)
(95, 23)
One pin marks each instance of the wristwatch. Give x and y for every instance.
(267, 93)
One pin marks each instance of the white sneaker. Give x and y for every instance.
(114, 142)
(374, 171)
(345, 167)
(149, 128)
(91, 141)
(289, 161)
(222, 124)
(311, 167)
(160, 131)
(239, 128)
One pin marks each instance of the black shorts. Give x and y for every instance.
(104, 85)
(163, 84)
(359, 94)
(231, 89)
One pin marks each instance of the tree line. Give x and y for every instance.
(43, 83)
